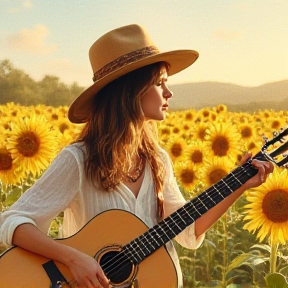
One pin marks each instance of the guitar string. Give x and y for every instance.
(173, 222)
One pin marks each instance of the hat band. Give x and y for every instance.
(124, 60)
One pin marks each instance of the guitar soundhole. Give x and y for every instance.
(116, 266)
(117, 269)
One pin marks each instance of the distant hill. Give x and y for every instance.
(236, 98)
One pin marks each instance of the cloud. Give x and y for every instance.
(227, 34)
(32, 41)
(27, 4)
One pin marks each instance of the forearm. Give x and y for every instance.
(29, 237)
(86, 271)
(203, 223)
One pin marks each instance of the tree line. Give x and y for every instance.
(18, 87)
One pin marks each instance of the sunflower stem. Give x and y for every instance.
(273, 257)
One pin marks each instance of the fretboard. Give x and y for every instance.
(144, 245)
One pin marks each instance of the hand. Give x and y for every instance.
(87, 271)
(264, 167)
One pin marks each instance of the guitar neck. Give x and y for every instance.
(144, 245)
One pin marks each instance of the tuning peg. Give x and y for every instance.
(265, 138)
(275, 133)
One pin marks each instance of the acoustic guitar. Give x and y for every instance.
(130, 254)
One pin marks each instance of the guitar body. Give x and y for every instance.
(20, 268)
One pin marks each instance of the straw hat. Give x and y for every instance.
(121, 51)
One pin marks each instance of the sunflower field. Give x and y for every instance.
(247, 247)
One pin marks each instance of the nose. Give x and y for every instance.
(167, 93)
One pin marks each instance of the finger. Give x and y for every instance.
(245, 158)
(95, 283)
(265, 168)
(103, 280)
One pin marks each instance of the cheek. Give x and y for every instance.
(151, 102)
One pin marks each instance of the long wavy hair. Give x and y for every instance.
(116, 132)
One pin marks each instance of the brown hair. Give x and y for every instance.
(115, 132)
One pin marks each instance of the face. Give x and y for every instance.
(154, 102)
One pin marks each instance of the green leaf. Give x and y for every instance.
(276, 280)
(245, 259)
(13, 195)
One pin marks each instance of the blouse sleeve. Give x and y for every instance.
(173, 200)
(49, 196)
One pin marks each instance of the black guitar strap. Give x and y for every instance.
(54, 274)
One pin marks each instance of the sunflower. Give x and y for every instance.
(223, 140)
(247, 131)
(195, 153)
(215, 169)
(9, 171)
(186, 175)
(267, 211)
(32, 143)
(175, 148)
(221, 109)
(189, 115)
(199, 131)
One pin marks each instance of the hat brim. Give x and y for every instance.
(178, 60)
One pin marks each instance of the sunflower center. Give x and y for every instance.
(246, 132)
(275, 206)
(5, 161)
(276, 124)
(220, 146)
(187, 176)
(63, 127)
(216, 175)
(189, 116)
(251, 146)
(202, 134)
(197, 156)
(165, 131)
(176, 150)
(28, 144)
(176, 130)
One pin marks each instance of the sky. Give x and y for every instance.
(243, 42)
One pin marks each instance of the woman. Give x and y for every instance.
(116, 162)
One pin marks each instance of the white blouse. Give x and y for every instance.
(63, 187)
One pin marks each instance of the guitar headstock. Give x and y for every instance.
(276, 149)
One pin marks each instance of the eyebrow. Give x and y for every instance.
(162, 77)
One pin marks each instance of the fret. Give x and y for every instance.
(173, 220)
(159, 234)
(203, 204)
(144, 245)
(164, 221)
(226, 185)
(183, 221)
(129, 253)
(151, 234)
(218, 192)
(165, 237)
(210, 198)
(139, 248)
(145, 236)
(187, 214)
(236, 178)
(191, 203)
(201, 209)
